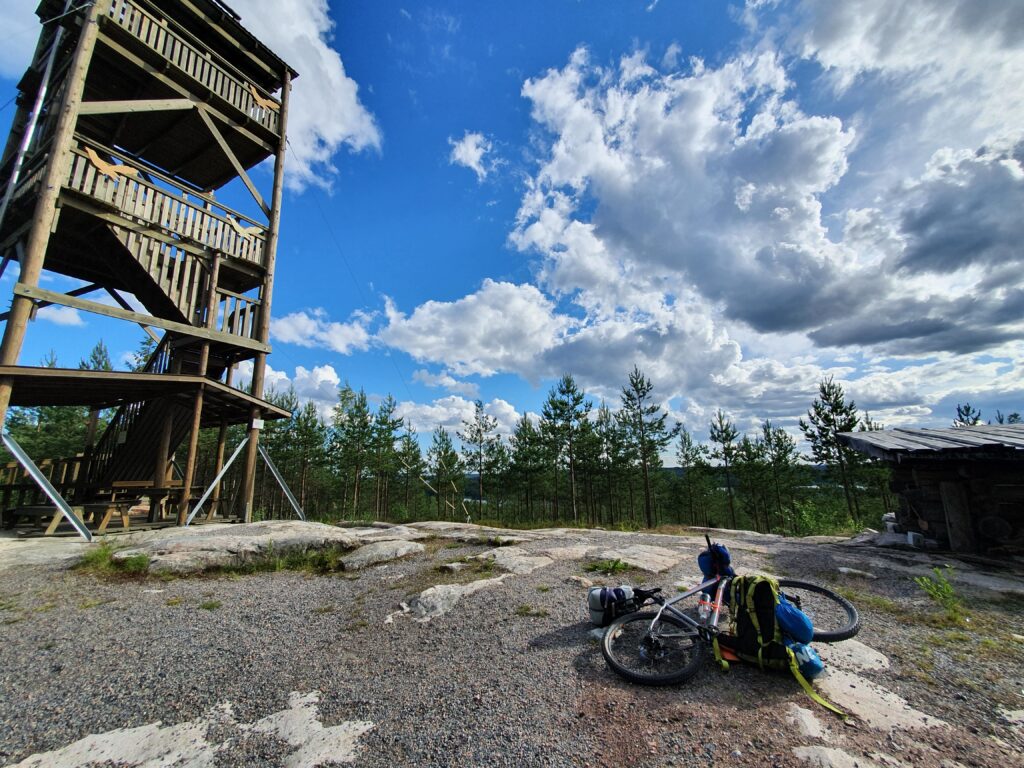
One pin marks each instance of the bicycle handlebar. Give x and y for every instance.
(645, 594)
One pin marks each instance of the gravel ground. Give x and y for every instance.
(482, 685)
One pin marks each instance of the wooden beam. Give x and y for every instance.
(957, 508)
(234, 160)
(39, 294)
(125, 305)
(134, 105)
(77, 292)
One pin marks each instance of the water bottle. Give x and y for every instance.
(703, 609)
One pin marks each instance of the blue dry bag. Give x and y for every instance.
(807, 659)
(792, 621)
(715, 562)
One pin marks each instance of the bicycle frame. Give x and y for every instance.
(711, 625)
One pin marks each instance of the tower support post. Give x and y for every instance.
(259, 368)
(46, 206)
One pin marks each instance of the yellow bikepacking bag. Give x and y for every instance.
(754, 632)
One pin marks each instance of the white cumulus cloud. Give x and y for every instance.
(486, 332)
(67, 316)
(314, 329)
(471, 151)
(446, 381)
(326, 113)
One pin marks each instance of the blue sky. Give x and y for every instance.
(738, 198)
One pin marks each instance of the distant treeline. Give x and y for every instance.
(576, 465)
(579, 465)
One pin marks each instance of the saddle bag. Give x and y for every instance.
(606, 604)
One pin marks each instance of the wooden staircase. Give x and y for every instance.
(127, 449)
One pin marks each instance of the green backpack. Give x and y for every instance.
(754, 632)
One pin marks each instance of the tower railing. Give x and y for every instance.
(194, 219)
(216, 75)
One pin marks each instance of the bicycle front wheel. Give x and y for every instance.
(649, 653)
(833, 616)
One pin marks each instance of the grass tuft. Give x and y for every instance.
(87, 604)
(531, 611)
(100, 561)
(210, 605)
(608, 567)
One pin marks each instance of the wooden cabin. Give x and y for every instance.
(962, 487)
(130, 117)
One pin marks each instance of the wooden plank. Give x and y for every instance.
(40, 294)
(957, 509)
(134, 105)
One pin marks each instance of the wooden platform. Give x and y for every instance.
(110, 389)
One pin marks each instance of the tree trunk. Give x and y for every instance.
(728, 488)
(648, 512)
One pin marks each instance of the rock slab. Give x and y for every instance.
(380, 552)
(645, 557)
(193, 550)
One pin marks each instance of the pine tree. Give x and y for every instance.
(693, 461)
(1011, 418)
(830, 415)
(384, 435)
(646, 431)
(410, 457)
(447, 471)
(497, 465)
(563, 412)
(98, 360)
(351, 439)
(783, 459)
(478, 441)
(752, 474)
(614, 457)
(527, 459)
(308, 445)
(723, 433)
(966, 416)
(142, 354)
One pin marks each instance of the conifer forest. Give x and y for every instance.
(578, 464)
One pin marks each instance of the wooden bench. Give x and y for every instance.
(102, 511)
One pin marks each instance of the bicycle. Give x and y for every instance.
(668, 646)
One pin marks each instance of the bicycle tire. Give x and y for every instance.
(663, 660)
(834, 617)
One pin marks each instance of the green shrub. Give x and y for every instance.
(942, 592)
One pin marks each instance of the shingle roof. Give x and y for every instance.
(988, 439)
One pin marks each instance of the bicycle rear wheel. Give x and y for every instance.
(667, 653)
(833, 616)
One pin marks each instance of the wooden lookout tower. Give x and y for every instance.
(130, 118)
